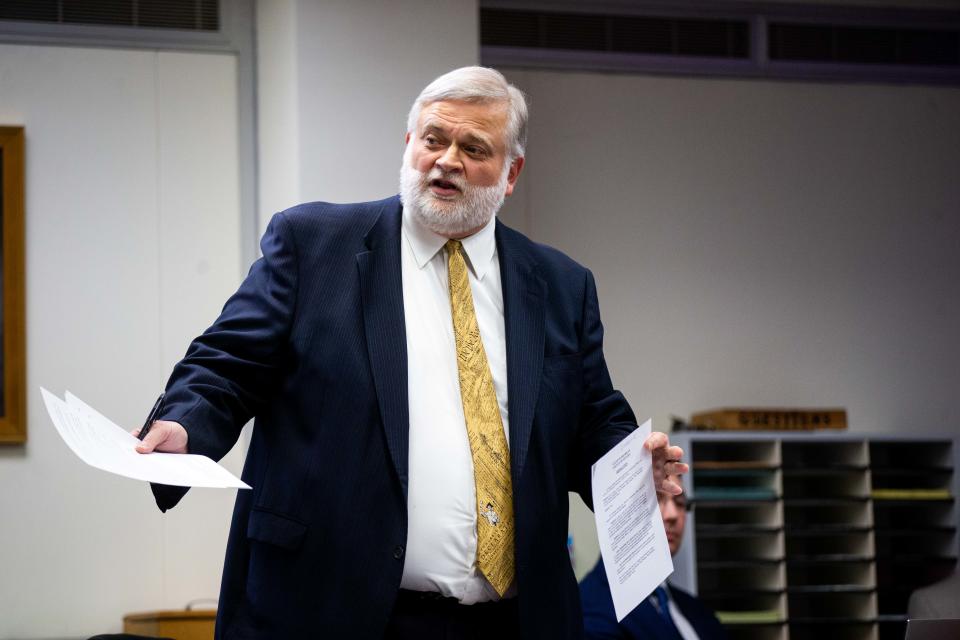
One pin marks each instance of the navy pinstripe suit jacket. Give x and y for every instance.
(313, 346)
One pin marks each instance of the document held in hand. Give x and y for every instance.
(102, 444)
(633, 543)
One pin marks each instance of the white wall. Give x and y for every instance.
(334, 126)
(133, 243)
(278, 114)
(757, 243)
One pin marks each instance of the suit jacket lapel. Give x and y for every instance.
(381, 290)
(523, 318)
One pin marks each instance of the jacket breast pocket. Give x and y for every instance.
(561, 389)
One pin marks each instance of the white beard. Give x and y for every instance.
(466, 211)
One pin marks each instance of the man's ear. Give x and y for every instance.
(407, 139)
(515, 168)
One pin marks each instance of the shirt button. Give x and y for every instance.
(398, 552)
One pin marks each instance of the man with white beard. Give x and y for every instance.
(427, 384)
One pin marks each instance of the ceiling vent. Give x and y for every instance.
(863, 45)
(742, 39)
(615, 33)
(185, 15)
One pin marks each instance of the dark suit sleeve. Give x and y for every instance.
(229, 370)
(605, 416)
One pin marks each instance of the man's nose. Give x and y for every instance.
(449, 160)
(669, 510)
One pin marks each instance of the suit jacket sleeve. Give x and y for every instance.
(605, 416)
(229, 370)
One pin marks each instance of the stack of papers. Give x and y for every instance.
(102, 444)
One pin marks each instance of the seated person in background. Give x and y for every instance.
(939, 601)
(668, 613)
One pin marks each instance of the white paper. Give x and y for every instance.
(102, 444)
(633, 542)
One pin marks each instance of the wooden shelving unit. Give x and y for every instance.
(795, 536)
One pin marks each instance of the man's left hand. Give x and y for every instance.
(666, 462)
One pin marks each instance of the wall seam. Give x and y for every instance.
(159, 238)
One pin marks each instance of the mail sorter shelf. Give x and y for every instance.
(809, 573)
(811, 455)
(757, 631)
(913, 489)
(739, 535)
(826, 535)
(820, 628)
(829, 539)
(912, 453)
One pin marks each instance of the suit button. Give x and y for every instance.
(398, 552)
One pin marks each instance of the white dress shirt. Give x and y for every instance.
(441, 495)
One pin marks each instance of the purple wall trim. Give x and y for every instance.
(691, 65)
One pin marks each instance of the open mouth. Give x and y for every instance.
(444, 187)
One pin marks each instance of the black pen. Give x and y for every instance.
(150, 418)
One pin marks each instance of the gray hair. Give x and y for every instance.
(478, 84)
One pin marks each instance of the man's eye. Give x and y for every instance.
(431, 140)
(476, 151)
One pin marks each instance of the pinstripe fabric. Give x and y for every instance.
(488, 444)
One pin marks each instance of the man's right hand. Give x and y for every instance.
(164, 436)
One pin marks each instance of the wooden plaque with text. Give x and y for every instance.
(769, 419)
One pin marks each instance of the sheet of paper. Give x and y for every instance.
(633, 542)
(104, 445)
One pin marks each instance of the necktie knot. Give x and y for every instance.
(456, 257)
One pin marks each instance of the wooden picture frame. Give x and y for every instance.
(13, 344)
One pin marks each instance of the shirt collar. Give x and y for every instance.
(480, 248)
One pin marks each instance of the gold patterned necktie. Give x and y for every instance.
(488, 444)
